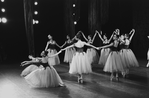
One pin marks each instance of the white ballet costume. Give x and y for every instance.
(44, 77)
(80, 62)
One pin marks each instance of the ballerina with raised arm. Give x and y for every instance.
(80, 64)
(50, 48)
(91, 52)
(130, 55)
(114, 63)
(68, 52)
(104, 51)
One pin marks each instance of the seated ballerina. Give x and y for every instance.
(45, 75)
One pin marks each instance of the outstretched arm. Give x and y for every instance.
(47, 45)
(131, 32)
(94, 37)
(28, 62)
(84, 36)
(90, 45)
(55, 54)
(111, 37)
(106, 46)
(130, 38)
(100, 36)
(63, 45)
(68, 47)
(57, 45)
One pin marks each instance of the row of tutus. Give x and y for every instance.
(118, 61)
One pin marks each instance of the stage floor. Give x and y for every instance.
(97, 84)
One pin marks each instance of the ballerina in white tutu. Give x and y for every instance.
(114, 62)
(50, 47)
(91, 52)
(104, 51)
(80, 64)
(147, 56)
(68, 52)
(44, 76)
(128, 57)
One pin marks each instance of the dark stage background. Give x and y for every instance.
(55, 18)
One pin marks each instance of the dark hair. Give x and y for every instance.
(44, 53)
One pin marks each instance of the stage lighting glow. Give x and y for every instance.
(35, 12)
(74, 5)
(73, 13)
(0, 20)
(37, 21)
(33, 21)
(2, 0)
(4, 20)
(75, 22)
(36, 3)
(3, 10)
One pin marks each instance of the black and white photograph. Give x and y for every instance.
(74, 48)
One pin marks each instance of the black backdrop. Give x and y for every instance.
(122, 14)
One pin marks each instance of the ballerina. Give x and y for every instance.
(50, 47)
(114, 63)
(69, 52)
(91, 52)
(45, 75)
(104, 51)
(80, 64)
(128, 57)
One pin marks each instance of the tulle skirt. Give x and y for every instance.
(44, 77)
(29, 69)
(80, 64)
(69, 54)
(103, 56)
(130, 58)
(53, 60)
(114, 63)
(92, 55)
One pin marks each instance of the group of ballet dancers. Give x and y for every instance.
(115, 56)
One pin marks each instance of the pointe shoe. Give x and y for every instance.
(111, 78)
(80, 81)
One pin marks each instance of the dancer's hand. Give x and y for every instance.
(98, 48)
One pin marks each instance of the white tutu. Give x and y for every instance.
(132, 59)
(69, 54)
(80, 64)
(53, 60)
(29, 69)
(42, 77)
(114, 63)
(103, 56)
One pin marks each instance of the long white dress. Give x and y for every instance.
(44, 76)
(80, 62)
